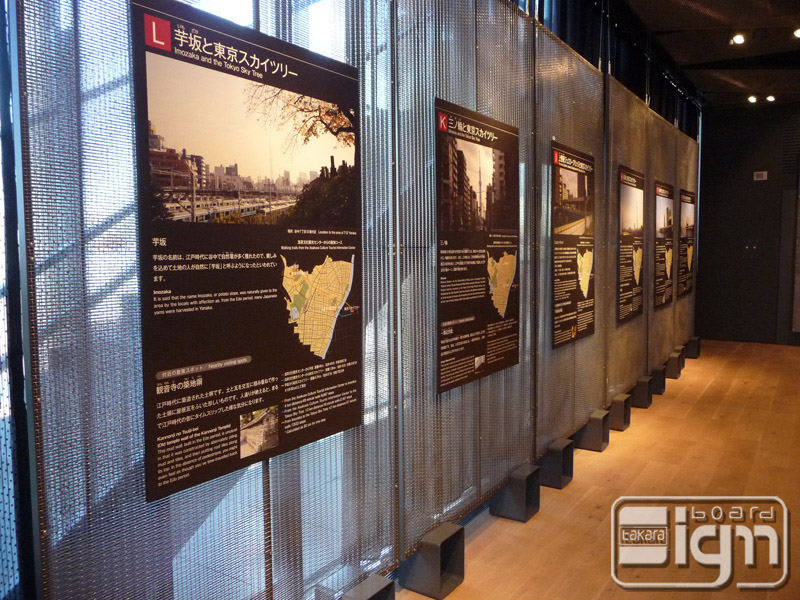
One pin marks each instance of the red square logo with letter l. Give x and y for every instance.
(555, 156)
(157, 33)
(443, 122)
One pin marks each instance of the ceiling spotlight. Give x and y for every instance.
(752, 99)
(738, 39)
(770, 98)
(797, 32)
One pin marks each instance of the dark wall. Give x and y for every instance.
(746, 229)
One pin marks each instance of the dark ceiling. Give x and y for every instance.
(697, 35)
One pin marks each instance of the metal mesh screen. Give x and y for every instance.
(627, 146)
(319, 518)
(436, 58)
(333, 509)
(9, 565)
(570, 381)
(661, 167)
(687, 159)
(457, 447)
(505, 92)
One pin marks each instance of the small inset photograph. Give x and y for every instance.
(687, 220)
(258, 431)
(663, 217)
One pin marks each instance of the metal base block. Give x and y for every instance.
(620, 412)
(659, 380)
(555, 467)
(437, 568)
(519, 499)
(373, 587)
(673, 366)
(642, 393)
(693, 348)
(595, 434)
(682, 351)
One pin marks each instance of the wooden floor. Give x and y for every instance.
(729, 426)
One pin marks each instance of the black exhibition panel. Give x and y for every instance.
(628, 148)
(570, 380)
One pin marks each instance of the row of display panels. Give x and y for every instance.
(252, 227)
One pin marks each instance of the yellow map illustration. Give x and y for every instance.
(689, 255)
(637, 264)
(316, 299)
(585, 262)
(501, 276)
(668, 257)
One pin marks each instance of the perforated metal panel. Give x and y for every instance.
(628, 146)
(506, 92)
(571, 380)
(458, 447)
(687, 163)
(320, 518)
(435, 58)
(661, 167)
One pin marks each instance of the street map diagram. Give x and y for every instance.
(316, 300)
(585, 261)
(501, 276)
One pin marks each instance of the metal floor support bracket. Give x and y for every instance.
(437, 568)
(373, 587)
(620, 412)
(519, 499)
(642, 393)
(595, 434)
(556, 465)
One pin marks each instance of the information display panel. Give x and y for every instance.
(250, 245)
(686, 243)
(665, 244)
(630, 292)
(573, 221)
(477, 195)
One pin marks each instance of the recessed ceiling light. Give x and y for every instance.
(797, 33)
(752, 99)
(738, 39)
(770, 98)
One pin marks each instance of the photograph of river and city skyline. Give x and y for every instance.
(224, 149)
(573, 204)
(631, 210)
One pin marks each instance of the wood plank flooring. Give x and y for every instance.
(729, 426)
